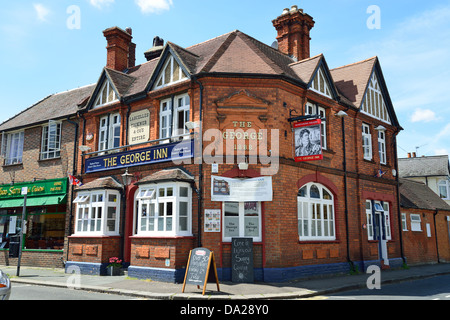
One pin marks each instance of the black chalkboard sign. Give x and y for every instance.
(201, 269)
(242, 260)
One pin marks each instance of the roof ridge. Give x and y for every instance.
(219, 52)
(307, 59)
(181, 48)
(355, 63)
(198, 44)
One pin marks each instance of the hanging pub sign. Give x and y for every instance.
(308, 142)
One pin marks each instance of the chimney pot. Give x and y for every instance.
(409, 155)
(156, 50)
(294, 8)
(414, 154)
(285, 11)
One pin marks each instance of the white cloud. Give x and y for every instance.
(154, 6)
(41, 11)
(423, 115)
(101, 3)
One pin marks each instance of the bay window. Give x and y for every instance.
(164, 209)
(98, 212)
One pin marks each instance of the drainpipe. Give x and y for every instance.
(74, 167)
(435, 235)
(200, 166)
(342, 115)
(398, 199)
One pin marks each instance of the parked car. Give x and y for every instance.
(5, 286)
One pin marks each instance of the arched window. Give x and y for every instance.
(315, 209)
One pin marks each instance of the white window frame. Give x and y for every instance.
(367, 142)
(445, 185)
(383, 208)
(109, 132)
(242, 220)
(169, 122)
(168, 75)
(12, 147)
(416, 222)
(154, 201)
(404, 222)
(314, 109)
(312, 224)
(106, 95)
(320, 84)
(382, 146)
(97, 213)
(51, 140)
(373, 103)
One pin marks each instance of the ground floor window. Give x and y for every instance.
(44, 228)
(315, 212)
(164, 209)
(242, 219)
(378, 220)
(98, 212)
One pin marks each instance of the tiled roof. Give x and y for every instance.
(167, 175)
(424, 166)
(352, 80)
(417, 195)
(101, 183)
(56, 106)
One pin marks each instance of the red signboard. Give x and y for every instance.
(307, 140)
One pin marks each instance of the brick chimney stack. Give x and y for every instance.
(293, 27)
(121, 52)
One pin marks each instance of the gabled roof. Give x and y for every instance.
(53, 107)
(352, 81)
(424, 166)
(418, 196)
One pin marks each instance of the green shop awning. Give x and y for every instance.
(34, 201)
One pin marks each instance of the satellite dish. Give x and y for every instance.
(275, 45)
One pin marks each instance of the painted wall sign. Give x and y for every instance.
(139, 127)
(308, 142)
(138, 157)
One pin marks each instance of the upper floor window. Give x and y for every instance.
(174, 114)
(109, 132)
(382, 146)
(444, 189)
(315, 211)
(98, 212)
(313, 109)
(171, 73)
(12, 147)
(320, 83)
(51, 141)
(106, 95)
(366, 142)
(373, 103)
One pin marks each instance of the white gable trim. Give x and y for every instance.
(374, 103)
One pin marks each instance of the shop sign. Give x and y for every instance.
(239, 190)
(308, 142)
(38, 188)
(160, 153)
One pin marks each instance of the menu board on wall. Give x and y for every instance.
(229, 189)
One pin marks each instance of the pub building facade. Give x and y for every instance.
(234, 138)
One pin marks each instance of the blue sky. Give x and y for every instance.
(49, 46)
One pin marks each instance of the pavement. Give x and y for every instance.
(147, 289)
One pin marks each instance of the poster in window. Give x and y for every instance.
(308, 142)
(212, 220)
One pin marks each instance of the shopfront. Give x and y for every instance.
(45, 217)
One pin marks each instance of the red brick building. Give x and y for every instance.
(212, 138)
(425, 221)
(39, 147)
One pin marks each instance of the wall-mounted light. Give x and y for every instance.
(192, 125)
(126, 178)
(380, 128)
(84, 148)
(341, 114)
